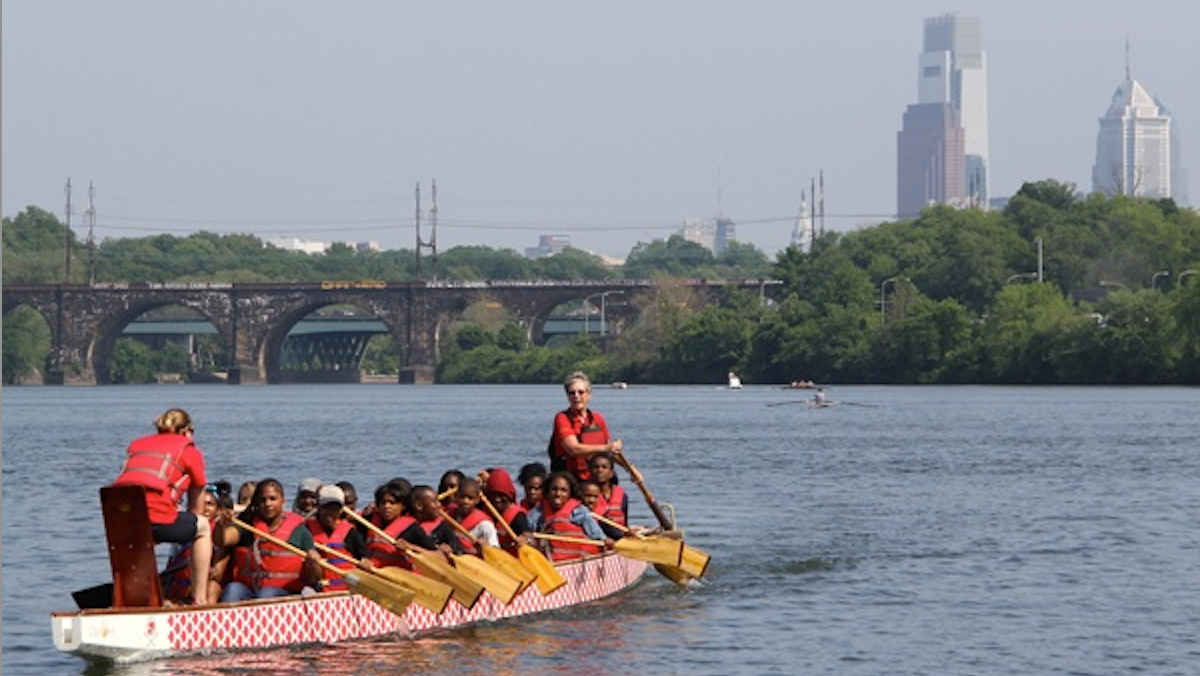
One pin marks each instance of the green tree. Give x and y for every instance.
(675, 257)
(571, 264)
(26, 345)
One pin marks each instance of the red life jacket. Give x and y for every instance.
(470, 521)
(266, 564)
(335, 540)
(156, 462)
(383, 553)
(610, 508)
(506, 542)
(593, 431)
(559, 523)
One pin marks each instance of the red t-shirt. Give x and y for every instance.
(589, 429)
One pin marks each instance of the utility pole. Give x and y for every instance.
(68, 265)
(91, 241)
(822, 174)
(418, 227)
(433, 213)
(812, 210)
(432, 243)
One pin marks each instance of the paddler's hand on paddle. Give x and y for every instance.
(609, 543)
(615, 447)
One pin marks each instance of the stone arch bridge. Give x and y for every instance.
(253, 320)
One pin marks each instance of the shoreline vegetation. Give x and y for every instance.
(950, 297)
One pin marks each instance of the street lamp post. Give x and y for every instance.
(1105, 282)
(603, 310)
(883, 297)
(1185, 273)
(1160, 273)
(603, 319)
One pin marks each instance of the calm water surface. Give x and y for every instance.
(965, 530)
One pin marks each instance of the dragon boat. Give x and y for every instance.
(133, 624)
(137, 634)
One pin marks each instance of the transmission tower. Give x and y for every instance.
(91, 241)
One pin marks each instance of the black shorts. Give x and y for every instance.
(183, 530)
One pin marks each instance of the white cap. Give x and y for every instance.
(331, 493)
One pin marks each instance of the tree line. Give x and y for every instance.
(952, 296)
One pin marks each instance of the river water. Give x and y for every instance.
(908, 530)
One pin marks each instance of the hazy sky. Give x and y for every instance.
(611, 122)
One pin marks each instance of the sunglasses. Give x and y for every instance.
(576, 392)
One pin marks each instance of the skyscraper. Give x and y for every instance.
(950, 116)
(1137, 148)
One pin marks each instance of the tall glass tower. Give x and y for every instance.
(953, 73)
(1137, 148)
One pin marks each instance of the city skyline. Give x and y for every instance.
(608, 124)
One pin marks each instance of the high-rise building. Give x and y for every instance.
(1137, 148)
(951, 110)
(930, 159)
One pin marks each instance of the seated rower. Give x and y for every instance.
(532, 476)
(592, 498)
(350, 493)
(562, 513)
(440, 535)
(499, 490)
(331, 529)
(615, 503)
(263, 569)
(475, 520)
(389, 514)
(217, 509)
(448, 487)
(305, 503)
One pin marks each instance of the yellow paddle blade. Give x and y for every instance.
(674, 574)
(548, 577)
(654, 549)
(694, 561)
(465, 590)
(390, 596)
(430, 593)
(509, 564)
(496, 583)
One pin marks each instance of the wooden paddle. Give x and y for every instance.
(466, 590)
(429, 592)
(660, 550)
(692, 563)
(665, 521)
(497, 583)
(387, 594)
(496, 557)
(548, 577)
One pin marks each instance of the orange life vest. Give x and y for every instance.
(265, 564)
(506, 542)
(610, 508)
(382, 552)
(470, 521)
(559, 523)
(156, 462)
(335, 540)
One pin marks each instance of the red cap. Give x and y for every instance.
(498, 481)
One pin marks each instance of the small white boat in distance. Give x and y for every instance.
(735, 383)
(620, 385)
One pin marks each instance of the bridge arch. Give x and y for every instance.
(333, 352)
(111, 327)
